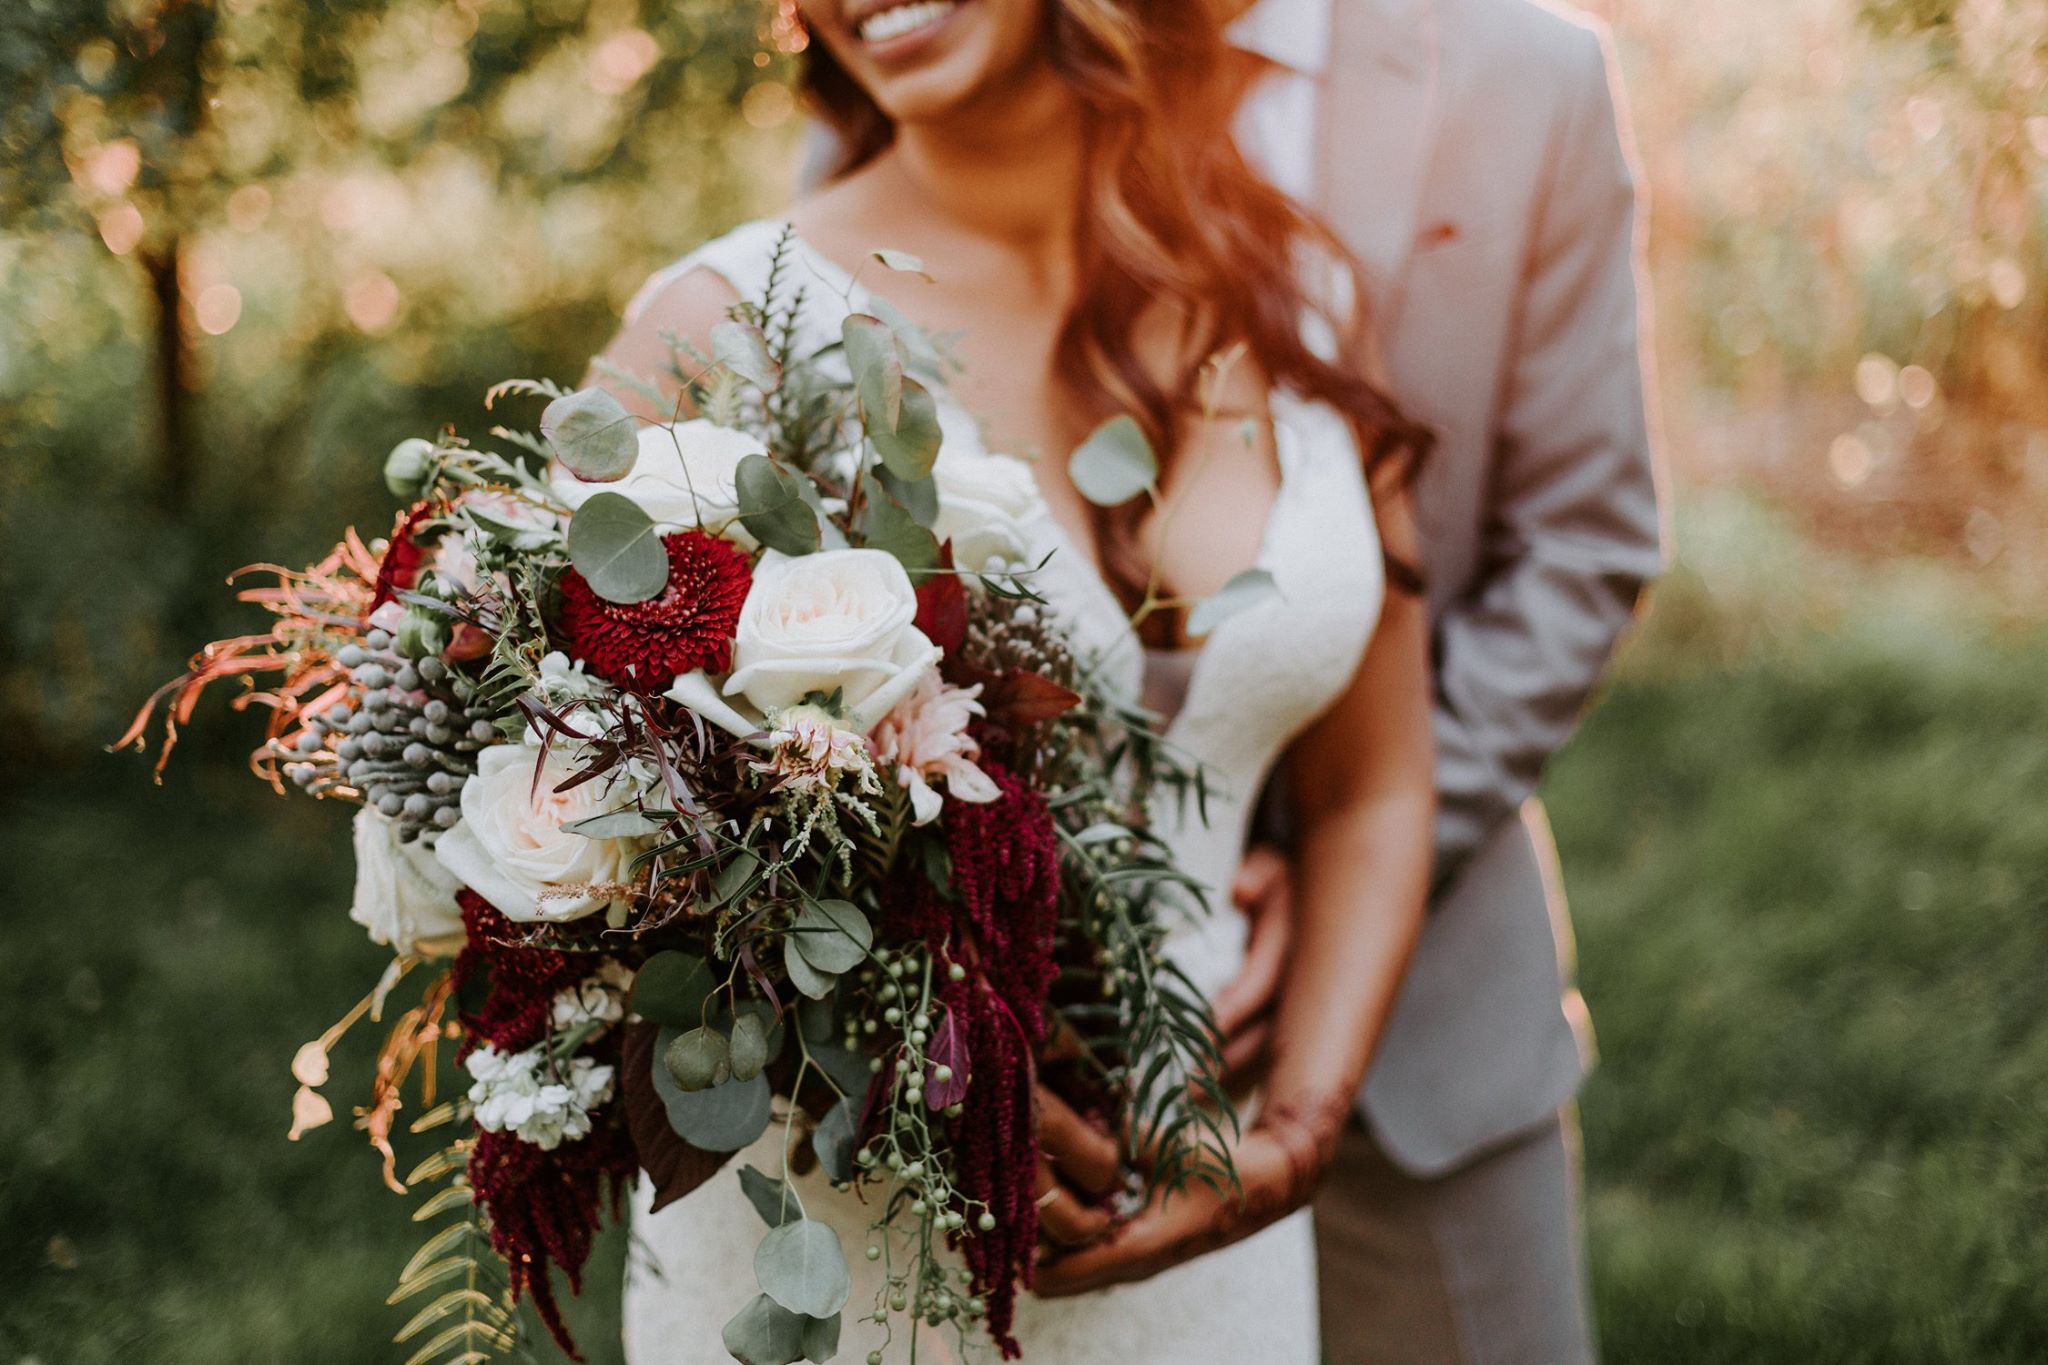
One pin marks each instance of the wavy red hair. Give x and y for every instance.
(1173, 214)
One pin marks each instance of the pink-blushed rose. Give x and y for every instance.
(512, 846)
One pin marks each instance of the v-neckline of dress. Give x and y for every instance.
(849, 289)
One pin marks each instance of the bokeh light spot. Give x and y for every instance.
(217, 309)
(121, 228)
(372, 301)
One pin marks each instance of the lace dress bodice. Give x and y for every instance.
(1253, 685)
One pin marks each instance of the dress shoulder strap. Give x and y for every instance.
(746, 258)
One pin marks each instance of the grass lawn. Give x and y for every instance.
(1811, 887)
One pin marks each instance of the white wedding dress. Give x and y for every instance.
(1260, 678)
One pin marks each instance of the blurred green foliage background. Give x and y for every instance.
(247, 245)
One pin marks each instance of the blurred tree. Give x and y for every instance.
(247, 244)
(164, 118)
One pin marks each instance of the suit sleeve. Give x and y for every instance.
(1574, 528)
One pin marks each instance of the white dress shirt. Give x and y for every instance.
(1276, 127)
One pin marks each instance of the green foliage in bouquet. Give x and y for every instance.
(713, 890)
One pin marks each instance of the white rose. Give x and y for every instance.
(836, 621)
(685, 476)
(510, 846)
(987, 505)
(404, 897)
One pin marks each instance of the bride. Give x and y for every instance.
(1096, 246)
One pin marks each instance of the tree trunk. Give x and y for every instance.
(177, 457)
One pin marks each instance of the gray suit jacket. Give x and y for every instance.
(1475, 157)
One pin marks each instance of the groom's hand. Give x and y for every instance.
(1264, 892)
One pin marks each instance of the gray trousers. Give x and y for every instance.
(1484, 1266)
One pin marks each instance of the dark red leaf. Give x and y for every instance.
(675, 1167)
(1026, 699)
(942, 607)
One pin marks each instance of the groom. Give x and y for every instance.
(1472, 153)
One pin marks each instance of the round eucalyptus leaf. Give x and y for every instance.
(741, 348)
(847, 1068)
(771, 1198)
(764, 1333)
(821, 1338)
(407, 466)
(877, 367)
(724, 1118)
(920, 497)
(699, 1059)
(909, 450)
(886, 524)
(748, 1050)
(802, 975)
(833, 936)
(614, 545)
(592, 433)
(773, 507)
(801, 1267)
(835, 1138)
(1244, 591)
(903, 261)
(671, 988)
(1114, 464)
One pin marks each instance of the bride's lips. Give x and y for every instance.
(894, 30)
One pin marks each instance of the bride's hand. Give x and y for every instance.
(1279, 1161)
(1075, 1159)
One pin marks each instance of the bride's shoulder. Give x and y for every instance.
(713, 275)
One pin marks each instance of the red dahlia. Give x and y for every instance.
(642, 646)
(402, 562)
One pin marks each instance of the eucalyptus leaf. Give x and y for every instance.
(764, 1333)
(763, 1013)
(741, 348)
(821, 1338)
(802, 975)
(836, 1135)
(736, 877)
(833, 936)
(771, 1198)
(772, 506)
(618, 824)
(814, 1020)
(1114, 464)
(847, 1068)
(671, 988)
(909, 450)
(747, 1051)
(699, 1059)
(592, 434)
(920, 356)
(616, 548)
(886, 524)
(1243, 592)
(801, 1267)
(903, 261)
(724, 1118)
(877, 367)
(920, 497)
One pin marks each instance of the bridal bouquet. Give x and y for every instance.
(722, 777)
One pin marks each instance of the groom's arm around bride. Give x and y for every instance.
(1473, 153)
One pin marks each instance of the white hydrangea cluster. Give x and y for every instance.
(598, 999)
(518, 1092)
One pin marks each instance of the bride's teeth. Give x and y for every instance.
(898, 20)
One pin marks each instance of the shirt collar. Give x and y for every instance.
(1290, 33)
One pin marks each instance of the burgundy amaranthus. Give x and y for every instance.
(1005, 900)
(543, 1206)
(642, 646)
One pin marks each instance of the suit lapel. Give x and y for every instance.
(1377, 128)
